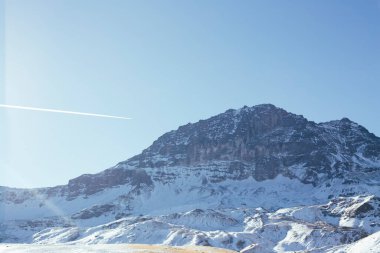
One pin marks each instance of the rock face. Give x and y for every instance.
(91, 184)
(257, 178)
(268, 140)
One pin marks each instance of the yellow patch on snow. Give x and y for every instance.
(107, 248)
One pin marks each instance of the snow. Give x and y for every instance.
(282, 215)
(44, 206)
(279, 215)
(105, 248)
(369, 244)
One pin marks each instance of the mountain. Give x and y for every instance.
(256, 179)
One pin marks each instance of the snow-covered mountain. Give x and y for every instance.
(256, 179)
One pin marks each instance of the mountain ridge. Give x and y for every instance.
(229, 181)
(344, 121)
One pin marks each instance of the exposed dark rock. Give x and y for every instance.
(94, 211)
(362, 209)
(89, 184)
(266, 141)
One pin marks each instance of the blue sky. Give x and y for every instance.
(167, 63)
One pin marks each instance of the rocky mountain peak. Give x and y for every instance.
(194, 142)
(267, 141)
(261, 142)
(242, 180)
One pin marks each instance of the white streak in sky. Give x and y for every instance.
(61, 111)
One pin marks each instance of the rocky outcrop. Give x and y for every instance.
(94, 211)
(89, 184)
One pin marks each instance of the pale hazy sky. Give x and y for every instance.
(167, 63)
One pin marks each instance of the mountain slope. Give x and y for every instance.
(204, 184)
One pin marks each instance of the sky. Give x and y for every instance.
(167, 63)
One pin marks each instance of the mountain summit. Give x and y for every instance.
(244, 179)
(270, 141)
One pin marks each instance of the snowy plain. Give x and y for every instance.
(106, 248)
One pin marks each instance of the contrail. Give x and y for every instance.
(61, 111)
